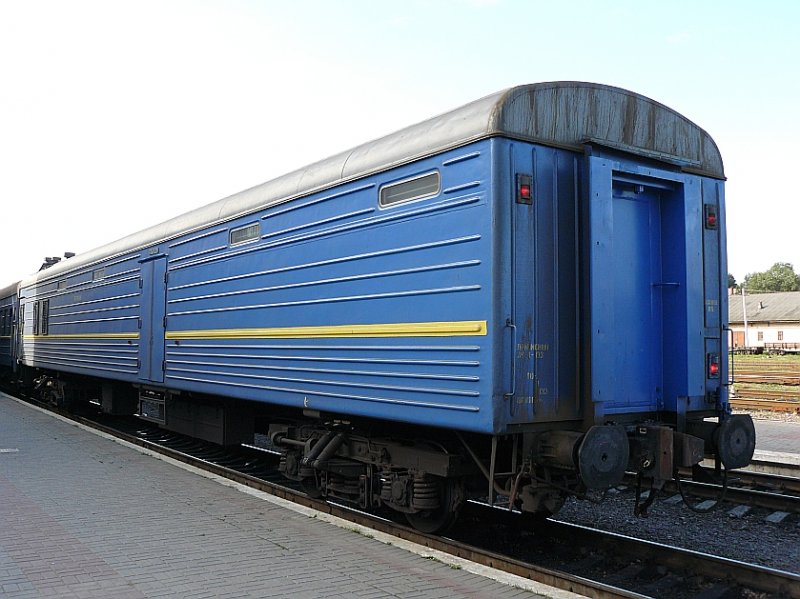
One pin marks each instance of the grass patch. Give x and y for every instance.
(436, 559)
(363, 533)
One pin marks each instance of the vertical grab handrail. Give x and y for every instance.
(512, 356)
(731, 377)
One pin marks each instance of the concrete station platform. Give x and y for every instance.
(777, 435)
(82, 515)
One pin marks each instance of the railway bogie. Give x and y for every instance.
(518, 300)
(421, 479)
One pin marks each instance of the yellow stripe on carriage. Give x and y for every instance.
(86, 336)
(402, 329)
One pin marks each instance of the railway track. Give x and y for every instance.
(759, 391)
(778, 493)
(765, 378)
(646, 569)
(766, 386)
(775, 405)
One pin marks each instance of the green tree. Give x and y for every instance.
(731, 281)
(780, 277)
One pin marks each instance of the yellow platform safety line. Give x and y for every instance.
(402, 329)
(86, 336)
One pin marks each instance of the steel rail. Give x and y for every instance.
(767, 379)
(777, 482)
(751, 497)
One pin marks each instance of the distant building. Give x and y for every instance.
(773, 321)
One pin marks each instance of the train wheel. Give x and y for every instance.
(438, 520)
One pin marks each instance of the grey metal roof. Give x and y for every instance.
(563, 114)
(766, 307)
(8, 290)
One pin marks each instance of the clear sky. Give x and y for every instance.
(118, 115)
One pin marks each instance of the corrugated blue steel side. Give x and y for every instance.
(93, 320)
(541, 245)
(337, 259)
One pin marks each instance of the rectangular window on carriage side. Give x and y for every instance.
(245, 234)
(35, 318)
(780, 335)
(45, 317)
(409, 190)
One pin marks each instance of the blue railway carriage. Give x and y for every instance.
(520, 298)
(9, 303)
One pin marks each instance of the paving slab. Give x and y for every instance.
(782, 437)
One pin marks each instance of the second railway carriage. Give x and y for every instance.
(8, 329)
(528, 291)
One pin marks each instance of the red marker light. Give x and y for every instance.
(524, 189)
(713, 366)
(711, 216)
